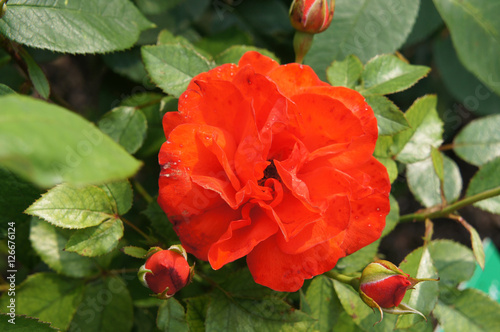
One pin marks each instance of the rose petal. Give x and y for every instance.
(242, 236)
(199, 232)
(367, 221)
(309, 233)
(260, 63)
(197, 153)
(283, 272)
(319, 121)
(293, 79)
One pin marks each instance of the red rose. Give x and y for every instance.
(166, 271)
(269, 162)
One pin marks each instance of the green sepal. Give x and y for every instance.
(372, 304)
(163, 295)
(152, 251)
(178, 249)
(403, 309)
(141, 274)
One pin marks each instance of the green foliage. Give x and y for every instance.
(57, 298)
(363, 28)
(76, 26)
(47, 144)
(171, 316)
(126, 126)
(82, 232)
(172, 66)
(486, 179)
(479, 142)
(475, 20)
(426, 185)
(460, 312)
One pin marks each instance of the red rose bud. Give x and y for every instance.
(383, 286)
(166, 271)
(311, 16)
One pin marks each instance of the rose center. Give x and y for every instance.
(269, 173)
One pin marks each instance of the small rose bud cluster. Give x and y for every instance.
(383, 286)
(166, 271)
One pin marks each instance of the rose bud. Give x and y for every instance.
(311, 16)
(166, 271)
(383, 286)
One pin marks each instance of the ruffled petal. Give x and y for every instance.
(198, 233)
(242, 236)
(320, 121)
(286, 273)
(260, 63)
(195, 161)
(293, 79)
(323, 228)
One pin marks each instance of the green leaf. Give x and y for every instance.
(346, 72)
(324, 305)
(471, 311)
(126, 126)
(358, 260)
(475, 22)
(477, 244)
(15, 196)
(196, 312)
(161, 225)
(47, 144)
(234, 53)
(486, 179)
(172, 66)
(391, 166)
(73, 207)
(267, 314)
(5, 90)
(25, 324)
(121, 195)
(479, 142)
(438, 163)
(135, 251)
(360, 312)
(418, 264)
(363, 28)
(219, 42)
(454, 262)
(426, 186)
(97, 240)
(48, 297)
(387, 74)
(106, 307)
(171, 316)
(72, 26)
(390, 119)
(414, 144)
(463, 85)
(49, 241)
(428, 21)
(37, 77)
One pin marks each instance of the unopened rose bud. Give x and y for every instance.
(166, 271)
(383, 286)
(311, 16)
